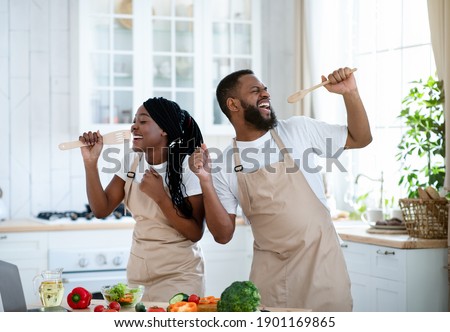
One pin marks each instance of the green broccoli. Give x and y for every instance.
(241, 296)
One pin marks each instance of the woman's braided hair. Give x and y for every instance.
(183, 136)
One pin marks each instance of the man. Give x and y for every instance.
(297, 259)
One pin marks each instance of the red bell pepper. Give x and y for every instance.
(79, 298)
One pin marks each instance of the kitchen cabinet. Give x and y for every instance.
(392, 279)
(225, 263)
(27, 250)
(130, 50)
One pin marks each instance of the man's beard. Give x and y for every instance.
(253, 117)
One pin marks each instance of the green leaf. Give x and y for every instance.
(422, 143)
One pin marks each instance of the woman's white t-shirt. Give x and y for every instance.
(190, 180)
(306, 140)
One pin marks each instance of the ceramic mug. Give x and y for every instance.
(371, 216)
(397, 213)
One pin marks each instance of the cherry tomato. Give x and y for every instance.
(114, 305)
(110, 310)
(194, 298)
(156, 309)
(99, 308)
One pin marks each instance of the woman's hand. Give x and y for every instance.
(93, 146)
(152, 185)
(200, 163)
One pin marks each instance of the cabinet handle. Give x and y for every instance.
(3, 237)
(344, 245)
(381, 252)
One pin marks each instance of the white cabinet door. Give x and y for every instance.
(388, 263)
(357, 257)
(29, 252)
(387, 295)
(227, 263)
(361, 292)
(391, 279)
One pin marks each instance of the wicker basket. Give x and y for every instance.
(427, 219)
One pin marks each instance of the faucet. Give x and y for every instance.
(381, 180)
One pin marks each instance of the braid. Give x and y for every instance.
(184, 136)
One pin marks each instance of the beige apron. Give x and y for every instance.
(297, 261)
(161, 258)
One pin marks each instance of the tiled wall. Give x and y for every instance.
(37, 111)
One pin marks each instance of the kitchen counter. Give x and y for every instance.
(357, 231)
(40, 225)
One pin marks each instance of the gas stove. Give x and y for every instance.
(87, 216)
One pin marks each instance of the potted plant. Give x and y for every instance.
(422, 146)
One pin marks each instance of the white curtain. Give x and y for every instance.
(439, 17)
(328, 47)
(302, 70)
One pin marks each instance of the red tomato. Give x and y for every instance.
(110, 310)
(114, 305)
(156, 309)
(99, 308)
(193, 298)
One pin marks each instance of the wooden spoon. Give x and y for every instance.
(302, 93)
(115, 137)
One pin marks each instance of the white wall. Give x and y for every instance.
(38, 112)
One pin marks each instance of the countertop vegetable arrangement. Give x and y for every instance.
(240, 296)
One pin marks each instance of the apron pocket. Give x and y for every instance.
(137, 271)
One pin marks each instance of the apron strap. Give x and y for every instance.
(130, 176)
(287, 157)
(277, 140)
(237, 159)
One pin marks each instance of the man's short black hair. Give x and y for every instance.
(226, 88)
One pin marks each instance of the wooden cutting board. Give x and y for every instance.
(386, 231)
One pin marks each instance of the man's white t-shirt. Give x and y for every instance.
(306, 140)
(190, 180)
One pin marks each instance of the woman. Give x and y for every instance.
(163, 195)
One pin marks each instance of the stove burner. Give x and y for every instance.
(118, 213)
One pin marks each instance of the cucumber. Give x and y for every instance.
(178, 298)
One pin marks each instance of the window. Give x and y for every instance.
(393, 48)
(389, 42)
(130, 50)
